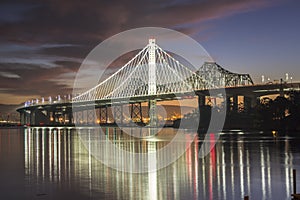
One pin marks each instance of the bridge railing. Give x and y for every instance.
(57, 100)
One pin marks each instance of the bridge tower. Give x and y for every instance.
(152, 82)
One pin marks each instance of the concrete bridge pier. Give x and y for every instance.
(35, 116)
(204, 111)
(32, 117)
(26, 118)
(48, 115)
(23, 118)
(152, 112)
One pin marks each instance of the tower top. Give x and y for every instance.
(151, 40)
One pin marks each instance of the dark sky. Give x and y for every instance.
(42, 43)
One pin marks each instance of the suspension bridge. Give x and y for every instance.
(152, 75)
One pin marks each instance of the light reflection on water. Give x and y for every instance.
(239, 165)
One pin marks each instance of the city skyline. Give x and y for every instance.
(43, 45)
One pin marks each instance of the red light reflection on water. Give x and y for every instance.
(212, 155)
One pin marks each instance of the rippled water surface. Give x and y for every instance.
(62, 164)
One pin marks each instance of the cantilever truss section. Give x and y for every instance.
(171, 78)
(220, 77)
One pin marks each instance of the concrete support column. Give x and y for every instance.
(32, 117)
(204, 112)
(152, 113)
(27, 118)
(22, 118)
(201, 104)
(50, 116)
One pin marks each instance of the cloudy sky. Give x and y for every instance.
(42, 43)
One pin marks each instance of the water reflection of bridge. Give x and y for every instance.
(232, 169)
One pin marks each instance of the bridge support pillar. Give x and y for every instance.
(118, 113)
(54, 117)
(27, 117)
(22, 118)
(136, 112)
(103, 114)
(201, 100)
(32, 117)
(90, 117)
(204, 112)
(152, 113)
(50, 116)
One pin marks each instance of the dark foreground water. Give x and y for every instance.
(56, 164)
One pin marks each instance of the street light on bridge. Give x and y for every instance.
(263, 79)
